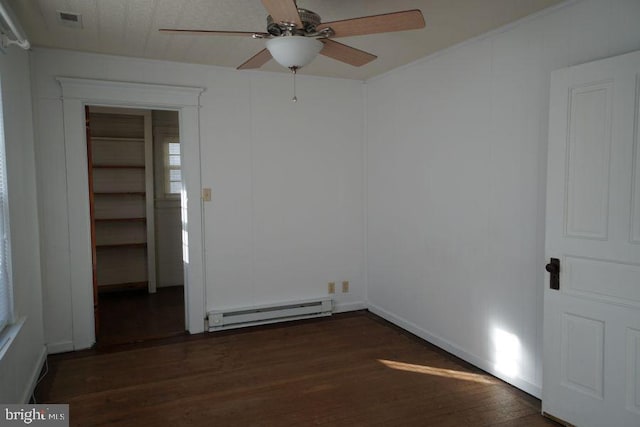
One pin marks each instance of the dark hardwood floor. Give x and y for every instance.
(348, 370)
(135, 316)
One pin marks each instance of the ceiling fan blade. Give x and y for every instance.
(254, 34)
(385, 23)
(283, 11)
(256, 61)
(347, 54)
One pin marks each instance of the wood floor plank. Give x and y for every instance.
(134, 316)
(346, 370)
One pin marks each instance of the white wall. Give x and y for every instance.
(287, 185)
(21, 365)
(169, 267)
(456, 181)
(286, 216)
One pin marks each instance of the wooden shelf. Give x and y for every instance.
(120, 219)
(116, 138)
(118, 193)
(123, 245)
(122, 200)
(118, 166)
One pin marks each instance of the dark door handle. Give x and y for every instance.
(554, 273)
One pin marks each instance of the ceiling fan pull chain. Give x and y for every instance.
(293, 70)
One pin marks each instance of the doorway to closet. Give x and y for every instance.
(135, 184)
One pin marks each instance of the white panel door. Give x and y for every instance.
(592, 321)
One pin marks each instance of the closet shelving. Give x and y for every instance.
(121, 194)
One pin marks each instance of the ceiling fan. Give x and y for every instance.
(295, 36)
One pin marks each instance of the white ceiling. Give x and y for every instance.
(130, 28)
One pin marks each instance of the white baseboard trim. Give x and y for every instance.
(349, 306)
(60, 347)
(35, 374)
(485, 365)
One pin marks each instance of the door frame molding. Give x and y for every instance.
(78, 92)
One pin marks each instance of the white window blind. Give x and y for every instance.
(172, 167)
(6, 298)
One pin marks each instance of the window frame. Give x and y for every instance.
(5, 236)
(168, 167)
(162, 135)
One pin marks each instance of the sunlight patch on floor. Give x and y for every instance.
(440, 372)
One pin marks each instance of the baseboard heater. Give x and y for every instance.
(271, 313)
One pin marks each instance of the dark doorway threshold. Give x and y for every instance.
(137, 316)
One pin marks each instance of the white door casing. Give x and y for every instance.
(76, 93)
(591, 351)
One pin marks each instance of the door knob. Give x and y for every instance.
(554, 273)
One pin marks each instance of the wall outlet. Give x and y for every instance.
(206, 194)
(331, 287)
(345, 286)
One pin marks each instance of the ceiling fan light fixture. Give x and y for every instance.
(294, 51)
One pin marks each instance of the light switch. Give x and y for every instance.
(206, 194)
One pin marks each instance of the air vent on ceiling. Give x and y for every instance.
(70, 19)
